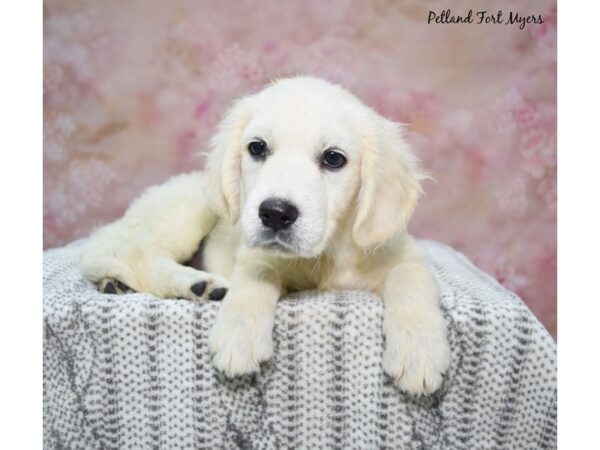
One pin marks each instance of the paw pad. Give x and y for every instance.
(112, 286)
(109, 288)
(122, 287)
(199, 288)
(217, 294)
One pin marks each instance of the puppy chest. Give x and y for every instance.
(324, 275)
(349, 278)
(355, 272)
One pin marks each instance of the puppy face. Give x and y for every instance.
(301, 157)
(300, 170)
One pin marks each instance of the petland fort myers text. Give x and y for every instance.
(485, 17)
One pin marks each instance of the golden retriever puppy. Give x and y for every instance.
(305, 187)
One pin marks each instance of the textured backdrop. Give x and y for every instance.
(133, 90)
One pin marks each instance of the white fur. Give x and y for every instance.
(350, 232)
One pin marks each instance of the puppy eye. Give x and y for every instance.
(258, 149)
(333, 159)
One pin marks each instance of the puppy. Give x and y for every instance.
(305, 187)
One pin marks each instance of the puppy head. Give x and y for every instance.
(303, 158)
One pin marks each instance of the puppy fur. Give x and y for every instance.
(350, 232)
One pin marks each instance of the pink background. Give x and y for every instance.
(133, 89)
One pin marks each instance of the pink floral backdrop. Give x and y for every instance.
(133, 90)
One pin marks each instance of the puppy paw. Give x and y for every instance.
(211, 288)
(417, 358)
(113, 286)
(186, 283)
(240, 340)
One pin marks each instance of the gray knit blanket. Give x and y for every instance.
(134, 372)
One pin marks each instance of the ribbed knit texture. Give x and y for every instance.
(134, 372)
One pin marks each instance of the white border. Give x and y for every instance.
(578, 224)
(21, 224)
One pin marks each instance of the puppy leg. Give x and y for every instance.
(242, 334)
(142, 250)
(417, 353)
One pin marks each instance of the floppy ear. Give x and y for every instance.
(222, 175)
(390, 185)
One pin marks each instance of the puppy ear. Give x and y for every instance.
(222, 175)
(390, 185)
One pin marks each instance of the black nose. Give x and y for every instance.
(277, 214)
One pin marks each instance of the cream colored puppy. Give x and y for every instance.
(305, 187)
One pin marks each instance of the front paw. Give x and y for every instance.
(241, 339)
(417, 357)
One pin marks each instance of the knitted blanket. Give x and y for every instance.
(134, 372)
